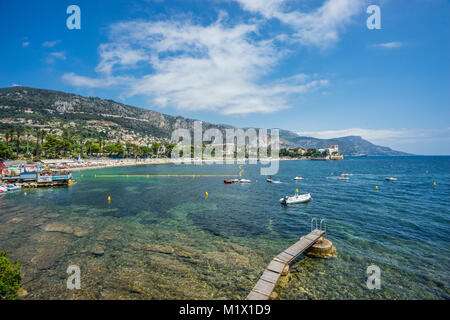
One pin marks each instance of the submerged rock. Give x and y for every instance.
(22, 293)
(80, 232)
(58, 227)
(228, 259)
(159, 248)
(15, 220)
(97, 251)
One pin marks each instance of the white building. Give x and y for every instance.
(333, 148)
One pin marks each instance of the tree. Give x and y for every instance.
(9, 277)
(28, 132)
(4, 150)
(36, 150)
(19, 134)
(95, 148)
(155, 147)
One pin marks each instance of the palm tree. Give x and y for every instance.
(27, 132)
(7, 136)
(19, 134)
(88, 146)
(36, 150)
(43, 133)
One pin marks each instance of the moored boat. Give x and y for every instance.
(299, 178)
(298, 198)
(231, 181)
(245, 181)
(391, 179)
(13, 188)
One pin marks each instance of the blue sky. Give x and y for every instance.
(307, 66)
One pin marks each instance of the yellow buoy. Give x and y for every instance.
(426, 171)
(332, 173)
(296, 190)
(109, 199)
(376, 188)
(206, 194)
(434, 184)
(82, 175)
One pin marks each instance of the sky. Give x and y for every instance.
(312, 67)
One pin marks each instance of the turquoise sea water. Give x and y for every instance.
(160, 238)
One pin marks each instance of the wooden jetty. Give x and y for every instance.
(268, 280)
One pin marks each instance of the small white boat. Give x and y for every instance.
(298, 198)
(245, 181)
(13, 188)
(299, 178)
(344, 178)
(345, 174)
(391, 179)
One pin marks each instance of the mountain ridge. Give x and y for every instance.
(41, 107)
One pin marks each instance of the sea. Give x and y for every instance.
(190, 236)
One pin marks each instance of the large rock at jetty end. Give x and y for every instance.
(323, 248)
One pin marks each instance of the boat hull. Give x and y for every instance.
(296, 199)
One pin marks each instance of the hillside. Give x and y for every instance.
(91, 117)
(351, 145)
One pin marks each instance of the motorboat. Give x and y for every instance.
(231, 181)
(391, 179)
(272, 181)
(344, 178)
(299, 178)
(298, 198)
(13, 188)
(245, 181)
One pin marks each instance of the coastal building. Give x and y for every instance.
(334, 148)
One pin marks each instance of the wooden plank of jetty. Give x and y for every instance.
(269, 278)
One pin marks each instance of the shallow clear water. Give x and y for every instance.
(160, 238)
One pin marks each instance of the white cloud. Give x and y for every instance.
(80, 81)
(59, 55)
(194, 67)
(50, 44)
(389, 45)
(319, 27)
(53, 56)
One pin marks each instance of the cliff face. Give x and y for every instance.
(23, 106)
